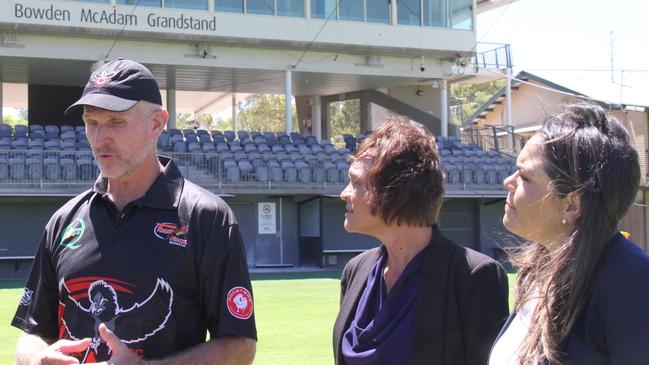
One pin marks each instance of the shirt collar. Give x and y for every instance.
(165, 191)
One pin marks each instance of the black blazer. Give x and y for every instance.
(461, 305)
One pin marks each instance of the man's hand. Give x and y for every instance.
(57, 353)
(120, 353)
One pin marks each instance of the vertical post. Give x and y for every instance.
(508, 109)
(316, 117)
(443, 105)
(288, 96)
(393, 12)
(234, 111)
(324, 117)
(1, 104)
(171, 108)
(281, 231)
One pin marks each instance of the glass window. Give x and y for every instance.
(321, 9)
(351, 10)
(155, 3)
(408, 12)
(187, 4)
(290, 7)
(93, 1)
(435, 13)
(378, 11)
(266, 7)
(233, 6)
(461, 14)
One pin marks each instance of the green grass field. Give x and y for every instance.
(294, 313)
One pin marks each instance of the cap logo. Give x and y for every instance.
(239, 302)
(101, 78)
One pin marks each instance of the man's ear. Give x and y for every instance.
(572, 207)
(160, 118)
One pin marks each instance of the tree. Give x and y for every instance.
(467, 98)
(262, 112)
(19, 117)
(345, 118)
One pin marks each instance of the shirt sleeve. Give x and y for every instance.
(37, 311)
(226, 290)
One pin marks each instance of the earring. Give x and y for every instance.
(564, 221)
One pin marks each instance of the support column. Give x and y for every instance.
(234, 111)
(288, 96)
(393, 13)
(1, 104)
(316, 116)
(171, 108)
(443, 106)
(324, 118)
(508, 108)
(366, 116)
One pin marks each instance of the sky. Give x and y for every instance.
(563, 41)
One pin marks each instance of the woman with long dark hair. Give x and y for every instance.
(582, 293)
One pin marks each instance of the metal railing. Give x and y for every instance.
(499, 138)
(60, 172)
(492, 55)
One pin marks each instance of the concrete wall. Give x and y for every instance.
(22, 222)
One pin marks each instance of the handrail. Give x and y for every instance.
(499, 56)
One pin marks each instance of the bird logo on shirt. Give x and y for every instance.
(134, 324)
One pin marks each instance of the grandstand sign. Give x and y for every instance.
(89, 15)
(266, 218)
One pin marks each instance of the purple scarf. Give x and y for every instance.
(381, 332)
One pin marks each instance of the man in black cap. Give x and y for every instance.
(140, 267)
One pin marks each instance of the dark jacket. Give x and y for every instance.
(461, 305)
(614, 327)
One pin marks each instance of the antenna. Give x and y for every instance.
(612, 36)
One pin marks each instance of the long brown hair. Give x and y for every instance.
(589, 153)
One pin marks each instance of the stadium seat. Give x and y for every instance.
(80, 129)
(180, 147)
(250, 148)
(222, 147)
(51, 132)
(21, 131)
(6, 131)
(205, 138)
(290, 148)
(52, 169)
(235, 147)
(17, 168)
(4, 168)
(66, 128)
(331, 172)
(191, 137)
(328, 148)
(275, 170)
(304, 149)
(310, 140)
(34, 168)
(219, 138)
(230, 135)
(68, 169)
(278, 149)
(231, 170)
(263, 148)
(243, 135)
(343, 171)
(290, 172)
(37, 134)
(163, 139)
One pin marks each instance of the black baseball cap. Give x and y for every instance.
(118, 85)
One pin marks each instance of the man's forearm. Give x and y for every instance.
(223, 351)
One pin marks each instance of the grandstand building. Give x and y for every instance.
(395, 56)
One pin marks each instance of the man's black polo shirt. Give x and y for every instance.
(164, 271)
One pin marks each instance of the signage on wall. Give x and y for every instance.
(267, 218)
(107, 16)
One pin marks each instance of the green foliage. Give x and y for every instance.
(465, 99)
(345, 117)
(20, 118)
(263, 112)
